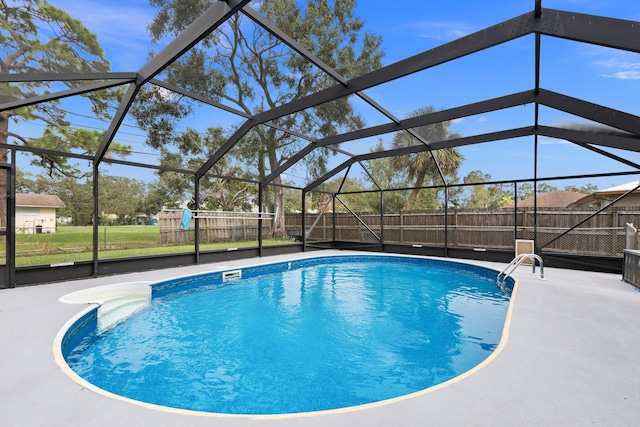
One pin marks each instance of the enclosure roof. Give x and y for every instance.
(605, 131)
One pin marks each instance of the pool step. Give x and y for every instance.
(116, 302)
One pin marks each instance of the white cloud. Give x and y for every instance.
(481, 119)
(624, 75)
(619, 66)
(440, 30)
(553, 141)
(458, 120)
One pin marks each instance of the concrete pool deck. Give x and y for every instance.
(571, 359)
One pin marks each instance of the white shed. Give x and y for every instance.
(36, 213)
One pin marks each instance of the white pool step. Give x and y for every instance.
(116, 302)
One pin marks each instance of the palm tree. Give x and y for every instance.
(424, 165)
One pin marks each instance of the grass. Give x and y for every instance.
(73, 244)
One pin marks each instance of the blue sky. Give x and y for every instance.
(600, 75)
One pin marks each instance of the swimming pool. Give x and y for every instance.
(300, 336)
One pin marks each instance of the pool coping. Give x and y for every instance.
(569, 359)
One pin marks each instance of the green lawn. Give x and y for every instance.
(72, 244)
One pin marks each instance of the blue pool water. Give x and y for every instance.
(303, 336)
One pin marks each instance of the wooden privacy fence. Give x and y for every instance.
(603, 235)
(214, 227)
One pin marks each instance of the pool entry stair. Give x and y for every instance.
(115, 302)
(515, 263)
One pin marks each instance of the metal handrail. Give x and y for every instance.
(506, 272)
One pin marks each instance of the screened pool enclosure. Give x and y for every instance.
(242, 129)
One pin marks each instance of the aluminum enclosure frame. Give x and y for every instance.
(595, 30)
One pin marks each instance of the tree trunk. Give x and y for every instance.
(414, 193)
(278, 230)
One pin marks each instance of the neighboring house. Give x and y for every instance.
(603, 197)
(552, 199)
(142, 219)
(36, 213)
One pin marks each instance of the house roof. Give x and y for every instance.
(39, 200)
(620, 189)
(552, 199)
(617, 190)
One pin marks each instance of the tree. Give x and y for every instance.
(248, 67)
(386, 176)
(485, 196)
(292, 200)
(527, 191)
(216, 193)
(585, 189)
(421, 167)
(122, 197)
(64, 46)
(357, 202)
(118, 196)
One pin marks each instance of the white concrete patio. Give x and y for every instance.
(571, 359)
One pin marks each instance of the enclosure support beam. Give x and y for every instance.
(66, 77)
(609, 155)
(200, 98)
(597, 113)
(616, 33)
(446, 222)
(123, 108)
(228, 145)
(591, 29)
(601, 137)
(206, 23)
(535, 193)
(515, 213)
(320, 64)
(211, 19)
(333, 226)
(62, 94)
(494, 136)
(303, 225)
(497, 34)
(381, 220)
(10, 248)
(96, 219)
(320, 215)
(359, 219)
(196, 240)
(538, 8)
(542, 21)
(260, 219)
(487, 106)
